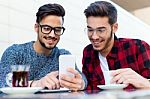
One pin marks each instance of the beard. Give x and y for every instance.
(107, 43)
(109, 40)
(44, 45)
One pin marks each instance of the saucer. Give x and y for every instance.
(113, 86)
(20, 90)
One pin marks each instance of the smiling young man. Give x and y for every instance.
(128, 58)
(42, 55)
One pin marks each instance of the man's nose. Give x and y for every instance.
(94, 34)
(52, 33)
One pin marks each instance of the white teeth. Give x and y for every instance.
(48, 38)
(99, 42)
(96, 42)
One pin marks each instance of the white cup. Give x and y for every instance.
(9, 79)
(107, 77)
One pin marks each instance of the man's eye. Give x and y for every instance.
(58, 29)
(101, 31)
(46, 28)
(90, 30)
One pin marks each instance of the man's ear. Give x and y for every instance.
(36, 27)
(115, 27)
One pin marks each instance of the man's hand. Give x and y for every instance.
(73, 83)
(128, 76)
(50, 81)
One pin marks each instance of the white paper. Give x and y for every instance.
(55, 90)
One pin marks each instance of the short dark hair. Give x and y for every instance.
(50, 9)
(102, 9)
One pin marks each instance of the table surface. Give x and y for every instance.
(107, 94)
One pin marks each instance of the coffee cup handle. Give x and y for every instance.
(9, 79)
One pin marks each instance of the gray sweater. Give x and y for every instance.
(40, 65)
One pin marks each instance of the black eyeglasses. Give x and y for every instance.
(46, 29)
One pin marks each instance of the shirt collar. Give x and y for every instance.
(114, 51)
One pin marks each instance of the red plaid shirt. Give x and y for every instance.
(126, 53)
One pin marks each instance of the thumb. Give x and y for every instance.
(55, 73)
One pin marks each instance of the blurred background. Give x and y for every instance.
(17, 19)
(138, 8)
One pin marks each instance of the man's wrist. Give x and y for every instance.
(33, 83)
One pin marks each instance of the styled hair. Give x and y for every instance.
(50, 9)
(102, 9)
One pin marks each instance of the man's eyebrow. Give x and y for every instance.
(50, 26)
(97, 27)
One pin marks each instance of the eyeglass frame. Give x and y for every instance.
(99, 30)
(52, 28)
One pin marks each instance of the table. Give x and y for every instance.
(106, 94)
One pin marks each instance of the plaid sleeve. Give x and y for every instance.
(89, 71)
(85, 68)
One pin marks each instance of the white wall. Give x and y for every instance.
(18, 17)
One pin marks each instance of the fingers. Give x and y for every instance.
(50, 81)
(118, 79)
(54, 82)
(74, 83)
(71, 86)
(117, 76)
(54, 73)
(139, 82)
(128, 76)
(70, 79)
(75, 72)
(120, 71)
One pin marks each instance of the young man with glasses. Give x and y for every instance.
(42, 55)
(128, 58)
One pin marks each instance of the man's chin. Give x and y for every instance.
(51, 47)
(97, 48)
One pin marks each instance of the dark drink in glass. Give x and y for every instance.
(20, 79)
